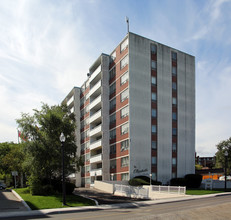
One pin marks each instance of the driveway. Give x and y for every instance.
(9, 203)
(102, 197)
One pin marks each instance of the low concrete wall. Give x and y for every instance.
(104, 186)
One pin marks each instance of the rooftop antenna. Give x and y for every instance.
(127, 20)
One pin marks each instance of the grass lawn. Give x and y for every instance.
(54, 201)
(202, 191)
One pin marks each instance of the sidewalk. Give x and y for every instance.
(130, 204)
(10, 203)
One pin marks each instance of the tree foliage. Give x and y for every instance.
(220, 154)
(11, 159)
(42, 146)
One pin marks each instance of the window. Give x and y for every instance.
(124, 95)
(174, 131)
(174, 101)
(112, 118)
(124, 176)
(113, 103)
(124, 78)
(112, 73)
(173, 175)
(113, 149)
(124, 128)
(113, 134)
(112, 88)
(174, 85)
(113, 56)
(112, 164)
(154, 145)
(174, 116)
(153, 49)
(153, 96)
(174, 161)
(153, 160)
(124, 112)
(174, 56)
(153, 113)
(153, 128)
(154, 176)
(124, 145)
(87, 169)
(124, 45)
(87, 157)
(173, 70)
(153, 64)
(153, 80)
(174, 147)
(124, 62)
(124, 161)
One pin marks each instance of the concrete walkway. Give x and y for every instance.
(10, 203)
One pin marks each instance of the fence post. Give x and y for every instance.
(159, 188)
(168, 189)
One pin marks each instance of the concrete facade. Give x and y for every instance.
(136, 113)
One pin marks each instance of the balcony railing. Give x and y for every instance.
(96, 158)
(95, 116)
(96, 144)
(96, 130)
(95, 102)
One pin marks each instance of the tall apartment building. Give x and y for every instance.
(136, 113)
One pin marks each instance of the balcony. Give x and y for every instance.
(96, 131)
(96, 89)
(95, 74)
(96, 103)
(96, 158)
(95, 117)
(96, 172)
(96, 144)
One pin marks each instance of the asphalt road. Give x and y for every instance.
(217, 208)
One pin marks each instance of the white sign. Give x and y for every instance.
(14, 173)
(209, 184)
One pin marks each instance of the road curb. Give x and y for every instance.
(21, 199)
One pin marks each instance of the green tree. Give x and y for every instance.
(220, 154)
(11, 159)
(43, 149)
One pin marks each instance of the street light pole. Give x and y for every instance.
(150, 179)
(62, 140)
(226, 157)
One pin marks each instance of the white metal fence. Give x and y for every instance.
(169, 189)
(131, 191)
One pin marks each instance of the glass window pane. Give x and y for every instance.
(153, 96)
(154, 113)
(124, 112)
(124, 62)
(124, 95)
(153, 64)
(153, 80)
(124, 78)
(153, 128)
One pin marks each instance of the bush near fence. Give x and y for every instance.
(142, 180)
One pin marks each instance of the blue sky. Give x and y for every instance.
(47, 47)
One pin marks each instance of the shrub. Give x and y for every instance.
(142, 180)
(69, 188)
(193, 180)
(178, 182)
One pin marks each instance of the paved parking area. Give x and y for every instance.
(104, 198)
(9, 203)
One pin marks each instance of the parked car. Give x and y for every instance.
(2, 185)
